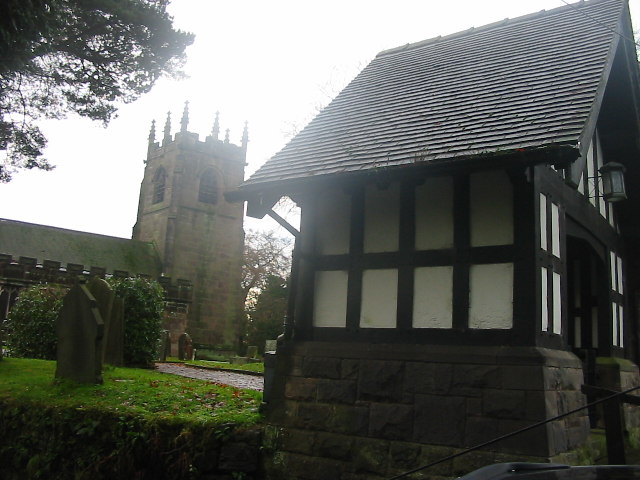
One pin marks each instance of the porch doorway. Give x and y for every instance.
(586, 307)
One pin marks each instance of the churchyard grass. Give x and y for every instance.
(130, 391)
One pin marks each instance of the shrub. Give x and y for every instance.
(31, 328)
(143, 307)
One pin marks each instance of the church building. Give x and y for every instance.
(187, 236)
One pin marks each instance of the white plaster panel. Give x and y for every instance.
(382, 219)
(433, 297)
(581, 184)
(612, 265)
(557, 304)
(434, 214)
(555, 230)
(621, 325)
(577, 325)
(491, 296)
(619, 275)
(379, 298)
(544, 299)
(333, 223)
(330, 299)
(614, 323)
(612, 219)
(543, 221)
(491, 209)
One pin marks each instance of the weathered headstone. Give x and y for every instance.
(270, 345)
(105, 298)
(80, 331)
(185, 347)
(164, 346)
(252, 351)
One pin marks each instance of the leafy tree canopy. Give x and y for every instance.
(82, 56)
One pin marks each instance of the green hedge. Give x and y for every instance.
(41, 442)
(143, 308)
(30, 330)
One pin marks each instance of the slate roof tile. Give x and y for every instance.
(521, 83)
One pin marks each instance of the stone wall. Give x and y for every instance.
(619, 374)
(22, 272)
(347, 411)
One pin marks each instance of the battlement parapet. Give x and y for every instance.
(190, 141)
(25, 271)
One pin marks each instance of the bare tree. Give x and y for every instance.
(265, 255)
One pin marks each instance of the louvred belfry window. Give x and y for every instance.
(208, 192)
(159, 184)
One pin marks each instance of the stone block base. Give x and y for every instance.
(379, 410)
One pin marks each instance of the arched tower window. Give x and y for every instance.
(208, 192)
(159, 183)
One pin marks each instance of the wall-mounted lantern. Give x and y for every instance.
(613, 182)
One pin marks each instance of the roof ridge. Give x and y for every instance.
(489, 26)
(67, 230)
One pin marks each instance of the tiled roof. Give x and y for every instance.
(524, 83)
(69, 246)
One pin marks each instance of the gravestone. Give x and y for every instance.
(252, 351)
(112, 313)
(164, 346)
(80, 331)
(185, 347)
(270, 345)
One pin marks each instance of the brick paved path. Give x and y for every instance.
(238, 380)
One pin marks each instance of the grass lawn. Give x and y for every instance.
(132, 391)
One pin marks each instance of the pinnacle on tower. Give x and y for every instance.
(215, 131)
(152, 132)
(184, 122)
(226, 136)
(245, 135)
(167, 128)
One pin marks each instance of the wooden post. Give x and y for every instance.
(614, 431)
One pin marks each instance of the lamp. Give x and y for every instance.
(613, 182)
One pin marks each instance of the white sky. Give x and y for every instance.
(271, 63)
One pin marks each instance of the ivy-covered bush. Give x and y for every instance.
(30, 330)
(143, 307)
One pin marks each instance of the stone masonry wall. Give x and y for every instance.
(349, 411)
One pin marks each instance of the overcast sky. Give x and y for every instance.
(271, 63)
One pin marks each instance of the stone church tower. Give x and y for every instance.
(198, 234)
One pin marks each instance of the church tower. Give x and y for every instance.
(198, 234)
